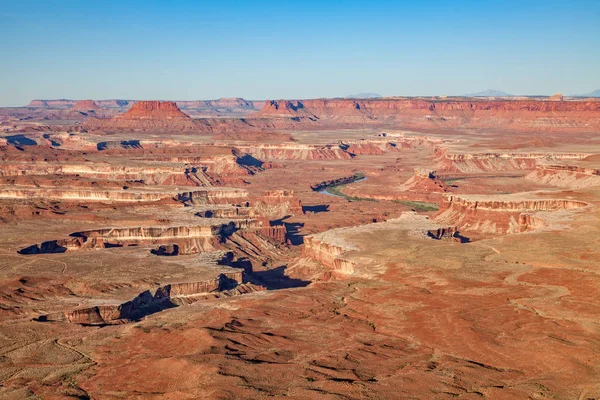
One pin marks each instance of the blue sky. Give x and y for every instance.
(188, 50)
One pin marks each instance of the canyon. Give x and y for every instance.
(399, 247)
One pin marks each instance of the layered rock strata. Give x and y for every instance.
(500, 215)
(569, 176)
(167, 296)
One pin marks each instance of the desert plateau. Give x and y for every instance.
(336, 248)
(293, 242)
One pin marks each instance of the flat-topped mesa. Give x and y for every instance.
(493, 162)
(205, 235)
(58, 103)
(147, 116)
(569, 176)
(526, 114)
(84, 194)
(158, 233)
(209, 171)
(389, 106)
(504, 214)
(154, 110)
(222, 195)
(508, 156)
(85, 106)
(168, 296)
(369, 146)
(190, 239)
(296, 151)
(231, 103)
(510, 204)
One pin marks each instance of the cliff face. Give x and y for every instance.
(494, 162)
(508, 215)
(328, 254)
(154, 110)
(295, 151)
(277, 204)
(565, 176)
(515, 114)
(167, 296)
(146, 116)
(378, 107)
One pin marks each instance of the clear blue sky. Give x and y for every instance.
(294, 49)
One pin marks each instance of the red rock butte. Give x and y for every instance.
(154, 110)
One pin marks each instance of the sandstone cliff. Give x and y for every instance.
(565, 176)
(425, 113)
(499, 214)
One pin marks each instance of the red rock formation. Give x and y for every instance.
(565, 176)
(154, 110)
(171, 295)
(503, 214)
(277, 204)
(147, 116)
(85, 105)
(418, 112)
(369, 147)
(424, 182)
(488, 162)
(296, 151)
(328, 254)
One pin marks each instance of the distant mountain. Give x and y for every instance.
(595, 93)
(489, 93)
(364, 96)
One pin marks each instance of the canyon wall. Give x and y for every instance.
(510, 214)
(451, 113)
(276, 204)
(294, 151)
(167, 296)
(496, 162)
(568, 176)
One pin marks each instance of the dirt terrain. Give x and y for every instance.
(418, 248)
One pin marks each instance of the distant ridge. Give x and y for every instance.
(595, 93)
(489, 93)
(364, 96)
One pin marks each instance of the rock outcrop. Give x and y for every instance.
(276, 204)
(167, 296)
(569, 176)
(424, 181)
(147, 116)
(500, 214)
(494, 162)
(295, 151)
(153, 110)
